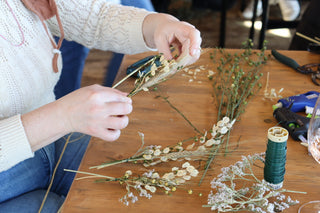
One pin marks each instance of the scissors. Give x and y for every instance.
(313, 68)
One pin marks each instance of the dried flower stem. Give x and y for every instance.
(180, 113)
(147, 183)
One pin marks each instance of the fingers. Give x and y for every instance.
(117, 123)
(182, 35)
(110, 130)
(195, 43)
(190, 40)
(106, 94)
(117, 108)
(96, 110)
(110, 135)
(163, 46)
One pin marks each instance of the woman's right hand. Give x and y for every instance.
(96, 110)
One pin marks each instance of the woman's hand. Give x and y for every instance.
(98, 111)
(95, 110)
(162, 31)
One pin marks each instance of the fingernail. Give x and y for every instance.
(129, 100)
(193, 52)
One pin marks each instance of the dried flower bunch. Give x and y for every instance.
(238, 189)
(200, 149)
(147, 184)
(159, 72)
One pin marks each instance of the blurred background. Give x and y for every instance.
(222, 23)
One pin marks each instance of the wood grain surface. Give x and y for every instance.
(162, 125)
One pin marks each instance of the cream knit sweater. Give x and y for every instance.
(26, 75)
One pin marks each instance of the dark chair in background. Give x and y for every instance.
(268, 23)
(215, 5)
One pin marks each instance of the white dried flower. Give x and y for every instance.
(194, 173)
(175, 169)
(166, 150)
(164, 158)
(210, 73)
(181, 173)
(157, 152)
(168, 176)
(190, 169)
(152, 189)
(225, 120)
(155, 175)
(210, 142)
(187, 177)
(190, 147)
(223, 130)
(180, 181)
(185, 165)
(128, 172)
(147, 157)
(220, 124)
(201, 149)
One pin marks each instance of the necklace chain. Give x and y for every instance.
(19, 26)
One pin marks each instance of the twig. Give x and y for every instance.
(180, 113)
(54, 173)
(210, 159)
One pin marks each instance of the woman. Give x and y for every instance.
(33, 126)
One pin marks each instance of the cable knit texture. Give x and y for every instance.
(27, 79)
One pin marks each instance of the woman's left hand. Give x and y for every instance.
(162, 31)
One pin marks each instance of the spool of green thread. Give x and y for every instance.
(275, 160)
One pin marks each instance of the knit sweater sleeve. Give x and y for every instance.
(14, 145)
(102, 25)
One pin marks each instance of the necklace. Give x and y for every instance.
(19, 26)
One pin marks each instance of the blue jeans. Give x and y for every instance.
(74, 56)
(23, 186)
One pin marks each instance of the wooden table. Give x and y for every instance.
(162, 125)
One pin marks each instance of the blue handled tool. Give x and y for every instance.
(145, 65)
(299, 102)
